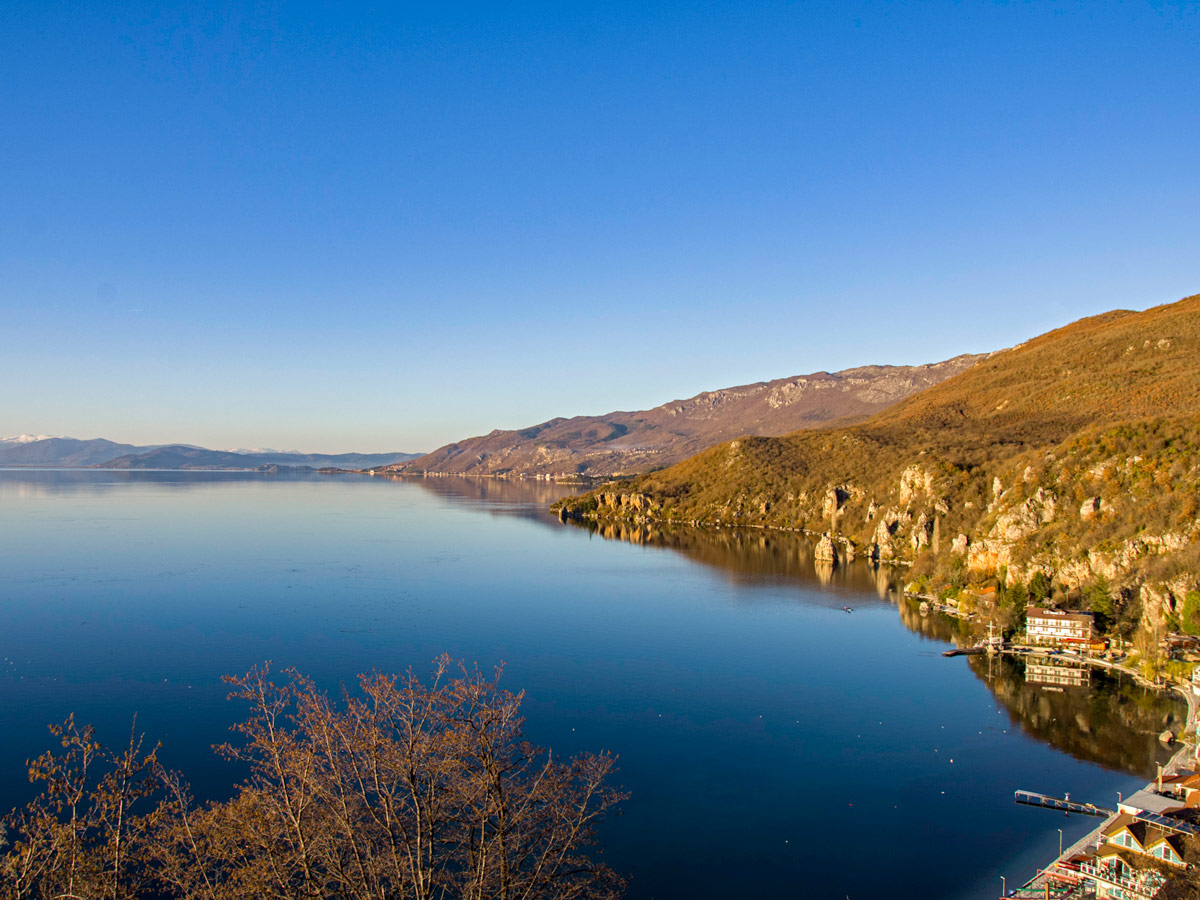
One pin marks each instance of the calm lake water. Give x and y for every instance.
(774, 744)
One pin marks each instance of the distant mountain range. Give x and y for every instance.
(62, 452)
(626, 442)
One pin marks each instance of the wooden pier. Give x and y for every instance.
(1032, 798)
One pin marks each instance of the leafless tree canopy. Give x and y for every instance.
(401, 789)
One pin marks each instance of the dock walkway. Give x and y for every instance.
(1183, 759)
(1032, 798)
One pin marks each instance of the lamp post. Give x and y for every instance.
(1060, 839)
(1003, 887)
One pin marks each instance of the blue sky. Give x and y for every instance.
(387, 226)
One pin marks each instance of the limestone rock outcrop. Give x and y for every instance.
(915, 482)
(826, 550)
(1024, 519)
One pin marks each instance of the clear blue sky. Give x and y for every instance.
(385, 226)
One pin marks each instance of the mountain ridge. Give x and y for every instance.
(63, 452)
(182, 456)
(630, 441)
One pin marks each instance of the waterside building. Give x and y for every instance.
(1052, 626)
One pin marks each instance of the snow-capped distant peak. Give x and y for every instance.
(28, 438)
(253, 450)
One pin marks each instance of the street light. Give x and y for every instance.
(1060, 842)
(1003, 887)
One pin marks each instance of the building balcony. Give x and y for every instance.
(1143, 885)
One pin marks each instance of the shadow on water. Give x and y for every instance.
(1092, 715)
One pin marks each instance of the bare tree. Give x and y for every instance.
(397, 790)
(86, 835)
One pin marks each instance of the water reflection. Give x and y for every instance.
(1093, 716)
(32, 484)
(527, 498)
(751, 555)
(1090, 714)
(934, 625)
(1057, 675)
(523, 497)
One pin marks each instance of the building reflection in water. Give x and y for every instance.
(1056, 674)
(1092, 714)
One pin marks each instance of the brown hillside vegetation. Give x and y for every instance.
(1075, 455)
(1111, 367)
(628, 442)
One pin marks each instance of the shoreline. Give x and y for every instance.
(851, 552)
(935, 604)
(1179, 762)
(581, 480)
(1036, 652)
(1183, 757)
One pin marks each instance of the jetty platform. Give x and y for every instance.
(1032, 798)
(1059, 881)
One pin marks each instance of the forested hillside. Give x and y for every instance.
(1070, 462)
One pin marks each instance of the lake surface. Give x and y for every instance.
(774, 744)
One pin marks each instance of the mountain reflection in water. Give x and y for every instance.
(751, 555)
(527, 498)
(1092, 715)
